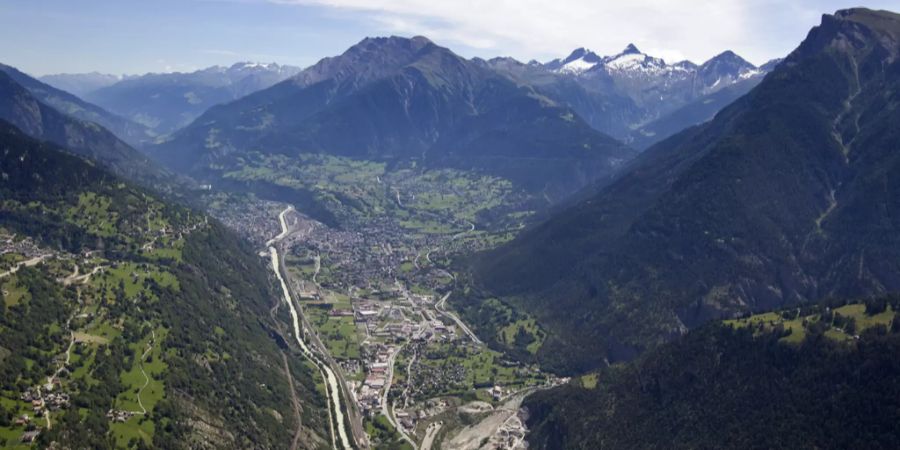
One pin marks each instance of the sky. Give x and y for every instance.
(138, 36)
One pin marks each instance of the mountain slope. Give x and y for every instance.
(693, 113)
(124, 129)
(401, 99)
(783, 198)
(152, 306)
(165, 102)
(39, 120)
(724, 388)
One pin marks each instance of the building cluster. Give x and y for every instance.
(256, 220)
(117, 415)
(25, 247)
(29, 437)
(43, 398)
(377, 367)
(10, 244)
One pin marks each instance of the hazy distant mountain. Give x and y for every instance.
(80, 84)
(165, 102)
(398, 98)
(22, 108)
(71, 105)
(626, 93)
(786, 196)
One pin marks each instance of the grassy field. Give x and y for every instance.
(589, 381)
(425, 202)
(529, 327)
(93, 214)
(132, 277)
(836, 329)
(150, 395)
(384, 435)
(13, 293)
(483, 367)
(9, 260)
(339, 334)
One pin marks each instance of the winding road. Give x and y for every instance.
(29, 263)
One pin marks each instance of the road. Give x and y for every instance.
(29, 263)
(431, 433)
(76, 278)
(146, 377)
(439, 306)
(386, 410)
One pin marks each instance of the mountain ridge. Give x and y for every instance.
(633, 96)
(389, 98)
(21, 108)
(761, 201)
(190, 276)
(131, 132)
(165, 102)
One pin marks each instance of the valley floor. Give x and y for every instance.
(372, 298)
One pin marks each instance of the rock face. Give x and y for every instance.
(785, 197)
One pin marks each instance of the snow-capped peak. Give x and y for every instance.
(577, 66)
(247, 65)
(631, 59)
(579, 61)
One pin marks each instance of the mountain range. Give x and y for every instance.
(784, 198)
(164, 102)
(34, 111)
(634, 96)
(400, 99)
(81, 84)
(679, 242)
(66, 103)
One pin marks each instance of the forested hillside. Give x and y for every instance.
(143, 324)
(747, 385)
(784, 198)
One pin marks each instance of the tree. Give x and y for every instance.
(850, 326)
(876, 306)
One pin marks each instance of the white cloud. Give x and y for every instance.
(543, 29)
(672, 29)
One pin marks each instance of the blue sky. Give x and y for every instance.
(138, 36)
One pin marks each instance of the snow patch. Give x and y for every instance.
(577, 66)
